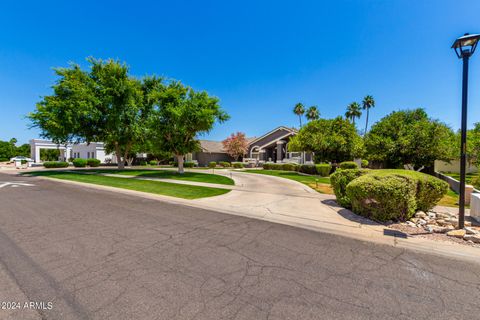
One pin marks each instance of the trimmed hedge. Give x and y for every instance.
(153, 162)
(308, 169)
(212, 164)
(348, 165)
(383, 197)
(339, 181)
(289, 167)
(323, 169)
(93, 162)
(387, 194)
(55, 164)
(238, 165)
(364, 163)
(79, 163)
(225, 164)
(188, 164)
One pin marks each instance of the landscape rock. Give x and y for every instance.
(432, 215)
(411, 224)
(472, 237)
(456, 233)
(470, 230)
(420, 214)
(421, 222)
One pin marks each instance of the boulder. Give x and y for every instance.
(472, 237)
(420, 214)
(456, 233)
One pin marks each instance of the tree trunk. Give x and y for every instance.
(118, 154)
(180, 163)
(129, 161)
(300, 118)
(366, 123)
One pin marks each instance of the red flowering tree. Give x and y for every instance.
(236, 145)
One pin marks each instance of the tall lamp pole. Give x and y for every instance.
(464, 47)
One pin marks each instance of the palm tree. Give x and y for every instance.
(312, 113)
(368, 103)
(353, 112)
(299, 110)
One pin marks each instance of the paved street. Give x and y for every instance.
(101, 255)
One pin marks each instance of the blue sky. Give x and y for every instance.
(258, 57)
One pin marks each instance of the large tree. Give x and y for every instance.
(299, 110)
(332, 140)
(236, 145)
(367, 103)
(181, 115)
(103, 103)
(353, 112)
(409, 137)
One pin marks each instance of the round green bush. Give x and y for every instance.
(348, 165)
(55, 164)
(212, 164)
(289, 167)
(79, 163)
(189, 164)
(323, 169)
(383, 197)
(339, 181)
(224, 164)
(153, 162)
(238, 165)
(364, 163)
(93, 162)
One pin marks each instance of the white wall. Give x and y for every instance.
(453, 166)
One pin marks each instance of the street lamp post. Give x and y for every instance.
(464, 47)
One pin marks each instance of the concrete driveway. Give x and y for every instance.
(97, 254)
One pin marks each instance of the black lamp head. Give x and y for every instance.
(465, 45)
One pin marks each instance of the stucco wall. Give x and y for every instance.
(454, 166)
(204, 158)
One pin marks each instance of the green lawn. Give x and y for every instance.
(169, 174)
(157, 187)
(321, 184)
(456, 176)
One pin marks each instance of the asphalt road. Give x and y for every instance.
(100, 255)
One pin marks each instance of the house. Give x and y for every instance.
(93, 150)
(270, 147)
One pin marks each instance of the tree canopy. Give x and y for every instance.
(180, 116)
(333, 140)
(409, 137)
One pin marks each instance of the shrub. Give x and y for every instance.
(383, 197)
(212, 164)
(238, 165)
(173, 163)
(348, 165)
(142, 163)
(308, 169)
(4, 159)
(289, 167)
(364, 163)
(188, 164)
(225, 164)
(93, 162)
(55, 164)
(79, 163)
(323, 169)
(339, 181)
(153, 162)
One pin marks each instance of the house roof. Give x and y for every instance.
(216, 146)
(291, 130)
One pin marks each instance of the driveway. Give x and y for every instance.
(99, 254)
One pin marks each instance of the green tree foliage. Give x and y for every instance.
(367, 103)
(8, 150)
(299, 110)
(101, 104)
(330, 139)
(49, 154)
(353, 112)
(312, 113)
(409, 137)
(473, 145)
(183, 114)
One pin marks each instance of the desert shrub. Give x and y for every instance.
(383, 197)
(153, 162)
(55, 164)
(308, 169)
(364, 163)
(238, 165)
(225, 164)
(339, 181)
(79, 163)
(323, 169)
(93, 162)
(189, 164)
(348, 165)
(289, 167)
(212, 164)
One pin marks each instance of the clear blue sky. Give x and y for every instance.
(258, 57)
